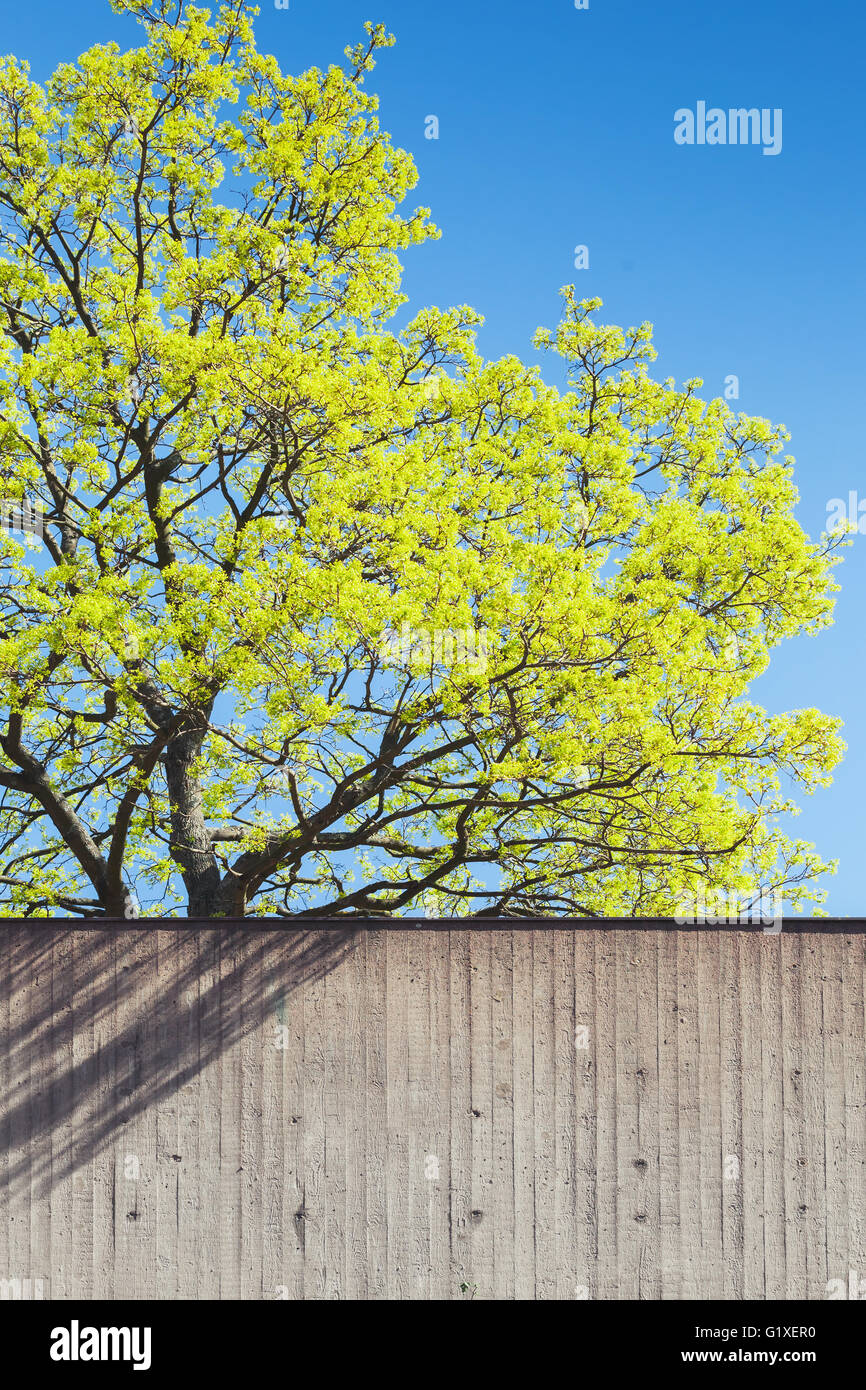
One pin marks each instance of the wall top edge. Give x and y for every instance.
(789, 925)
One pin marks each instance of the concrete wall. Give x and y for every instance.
(391, 1114)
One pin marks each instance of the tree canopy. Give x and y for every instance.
(329, 616)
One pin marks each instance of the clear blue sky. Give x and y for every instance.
(556, 128)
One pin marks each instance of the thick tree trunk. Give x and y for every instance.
(232, 901)
(191, 845)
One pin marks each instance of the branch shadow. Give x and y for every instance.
(97, 1027)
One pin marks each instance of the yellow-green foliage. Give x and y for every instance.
(249, 478)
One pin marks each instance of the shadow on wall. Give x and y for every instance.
(95, 1027)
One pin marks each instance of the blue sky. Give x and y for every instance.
(556, 129)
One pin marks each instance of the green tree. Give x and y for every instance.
(327, 616)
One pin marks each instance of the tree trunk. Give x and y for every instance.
(191, 846)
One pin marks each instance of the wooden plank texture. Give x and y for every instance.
(427, 1115)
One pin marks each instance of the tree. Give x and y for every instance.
(330, 617)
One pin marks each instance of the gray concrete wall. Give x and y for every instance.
(546, 1114)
